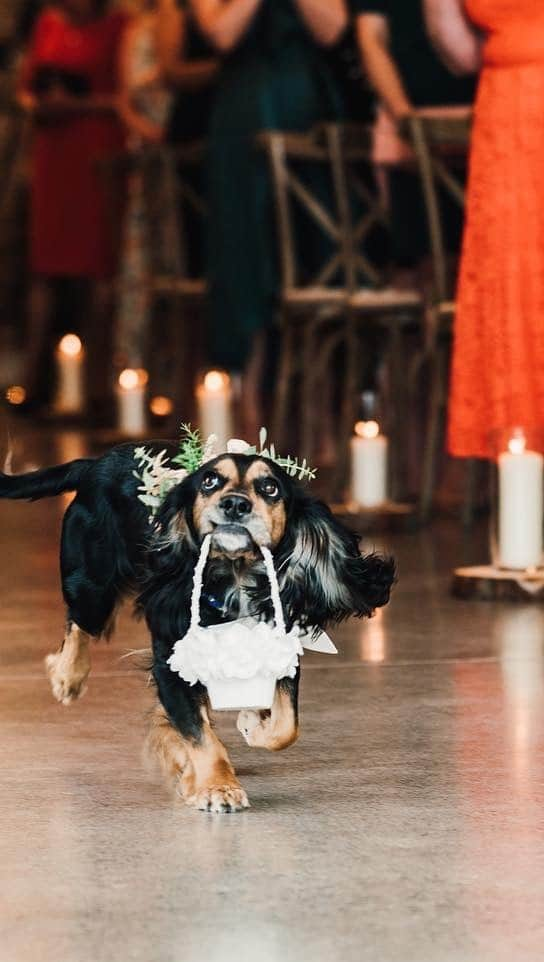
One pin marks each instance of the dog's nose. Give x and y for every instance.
(235, 506)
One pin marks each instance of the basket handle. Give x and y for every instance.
(274, 588)
(199, 575)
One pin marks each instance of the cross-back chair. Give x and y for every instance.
(322, 314)
(440, 145)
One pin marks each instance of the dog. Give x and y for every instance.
(109, 550)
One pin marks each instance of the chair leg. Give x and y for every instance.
(435, 430)
(397, 406)
(308, 392)
(347, 414)
(284, 384)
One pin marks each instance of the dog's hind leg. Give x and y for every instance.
(275, 729)
(69, 667)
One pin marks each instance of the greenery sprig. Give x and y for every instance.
(157, 477)
(292, 466)
(191, 449)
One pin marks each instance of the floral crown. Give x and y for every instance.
(157, 477)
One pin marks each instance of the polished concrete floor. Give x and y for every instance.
(406, 824)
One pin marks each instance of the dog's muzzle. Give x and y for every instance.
(232, 541)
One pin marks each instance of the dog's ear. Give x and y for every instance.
(323, 576)
(170, 561)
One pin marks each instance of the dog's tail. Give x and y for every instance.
(46, 483)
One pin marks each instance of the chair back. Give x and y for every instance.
(440, 145)
(358, 199)
(326, 199)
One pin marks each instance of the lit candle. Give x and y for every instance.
(131, 401)
(69, 358)
(214, 398)
(368, 465)
(521, 478)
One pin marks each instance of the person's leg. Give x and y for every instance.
(98, 340)
(40, 307)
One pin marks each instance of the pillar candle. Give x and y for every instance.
(69, 358)
(131, 412)
(521, 478)
(368, 465)
(214, 399)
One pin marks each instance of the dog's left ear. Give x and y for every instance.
(323, 575)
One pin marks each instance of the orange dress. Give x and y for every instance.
(497, 376)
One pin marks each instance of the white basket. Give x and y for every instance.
(222, 656)
(232, 694)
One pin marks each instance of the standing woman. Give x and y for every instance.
(69, 84)
(498, 359)
(273, 75)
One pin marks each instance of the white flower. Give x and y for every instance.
(236, 649)
(237, 446)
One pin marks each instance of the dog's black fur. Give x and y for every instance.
(109, 549)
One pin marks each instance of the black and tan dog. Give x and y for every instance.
(109, 549)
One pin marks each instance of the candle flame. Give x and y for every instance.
(517, 445)
(367, 429)
(16, 394)
(70, 345)
(215, 381)
(129, 379)
(161, 406)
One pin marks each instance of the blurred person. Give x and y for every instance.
(406, 72)
(190, 65)
(144, 106)
(69, 84)
(274, 74)
(498, 360)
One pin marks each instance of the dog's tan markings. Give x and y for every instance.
(203, 772)
(227, 469)
(273, 730)
(273, 515)
(212, 784)
(69, 667)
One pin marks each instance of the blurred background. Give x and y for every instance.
(235, 214)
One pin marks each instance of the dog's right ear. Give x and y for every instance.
(172, 526)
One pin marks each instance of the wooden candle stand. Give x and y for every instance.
(486, 583)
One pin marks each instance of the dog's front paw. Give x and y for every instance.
(218, 798)
(67, 675)
(252, 726)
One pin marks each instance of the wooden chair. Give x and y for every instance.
(318, 316)
(171, 197)
(440, 146)
(385, 309)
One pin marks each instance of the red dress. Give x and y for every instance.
(498, 361)
(70, 228)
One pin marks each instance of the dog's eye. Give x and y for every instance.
(270, 488)
(210, 481)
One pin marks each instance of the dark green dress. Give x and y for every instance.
(277, 78)
(428, 83)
